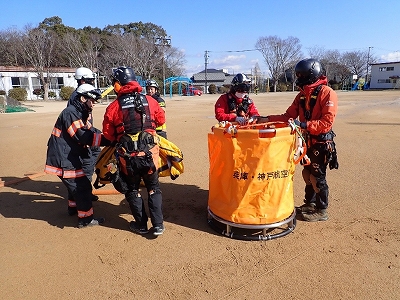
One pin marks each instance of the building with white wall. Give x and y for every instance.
(12, 77)
(385, 75)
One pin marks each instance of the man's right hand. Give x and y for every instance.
(241, 120)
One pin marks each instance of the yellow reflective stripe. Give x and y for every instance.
(74, 127)
(73, 173)
(162, 127)
(83, 214)
(71, 203)
(56, 132)
(53, 170)
(96, 139)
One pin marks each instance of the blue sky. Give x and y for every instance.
(226, 28)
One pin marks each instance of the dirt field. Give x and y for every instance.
(353, 255)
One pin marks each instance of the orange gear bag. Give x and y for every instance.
(251, 173)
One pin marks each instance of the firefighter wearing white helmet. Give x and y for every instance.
(82, 75)
(85, 76)
(68, 152)
(152, 89)
(236, 105)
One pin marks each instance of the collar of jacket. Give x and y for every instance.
(130, 87)
(307, 89)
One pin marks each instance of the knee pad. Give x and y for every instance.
(155, 191)
(322, 184)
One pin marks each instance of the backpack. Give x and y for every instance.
(137, 154)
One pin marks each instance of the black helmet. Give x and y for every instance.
(123, 75)
(308, 71)
(240, 83)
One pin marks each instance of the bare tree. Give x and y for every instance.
(356, 62)
(82, 51)
(279, 54)
(174, 61)
(36, 46)
(9, 54)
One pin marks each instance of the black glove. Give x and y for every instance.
(104, 141)
(333, 163)
(302, 125)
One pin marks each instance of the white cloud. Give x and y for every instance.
(229, 59)
(391, 57)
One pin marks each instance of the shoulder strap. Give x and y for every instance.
(231, 103)
(313, 100)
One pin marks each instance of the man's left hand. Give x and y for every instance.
(302, 125)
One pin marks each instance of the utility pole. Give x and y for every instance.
(366, 76)
(164, 42)
(205, 65)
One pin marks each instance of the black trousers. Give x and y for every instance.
(317, 189)
(80, 189)
(136, 202)
(88, 165)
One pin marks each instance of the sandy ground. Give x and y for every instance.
(353, 255)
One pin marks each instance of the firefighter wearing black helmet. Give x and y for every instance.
(130, 114)
(236, 106)
(315, 106)
(68, 146)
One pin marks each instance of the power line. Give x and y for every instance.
(246, 50)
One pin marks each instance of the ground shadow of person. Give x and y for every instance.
(185, 205)
(41, 200)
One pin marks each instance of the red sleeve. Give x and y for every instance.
(253, 111)
(155, 108)
(222, 110)
(110, 117)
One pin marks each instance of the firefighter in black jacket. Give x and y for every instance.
(68, 146)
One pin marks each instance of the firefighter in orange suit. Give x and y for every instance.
(67, 147)
(316, 106)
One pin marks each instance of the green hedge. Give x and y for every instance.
(18, 93)
(66, 92)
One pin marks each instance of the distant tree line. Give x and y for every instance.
(281, 56)
(145, 47)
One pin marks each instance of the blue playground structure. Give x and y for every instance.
(179, 80)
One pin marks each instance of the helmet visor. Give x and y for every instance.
(242, 88)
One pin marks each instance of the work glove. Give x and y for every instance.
(241, 120)
(253, 120)
(302, 125)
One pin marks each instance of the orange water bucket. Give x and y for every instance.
(251, 173)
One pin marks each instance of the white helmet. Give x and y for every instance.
(84, 73)
(88, 90)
